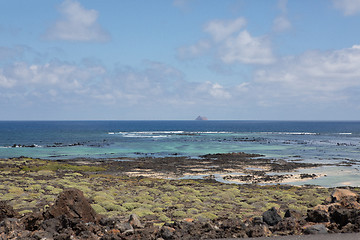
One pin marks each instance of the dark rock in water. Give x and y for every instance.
(72, 204)
(6, 211)
(316, 229)
(200, 118)
(271, 217)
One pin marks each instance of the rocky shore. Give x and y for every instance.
(72, 217)
(134, 199)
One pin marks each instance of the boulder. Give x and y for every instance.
(167, 233)
(317, 216)
(287, 226)
(290, 213)
(344, 216)
(316, 229)
(6, 211)
(339, 195)
(258, 231)
(135, 221)
(72, 204)
(271, 217)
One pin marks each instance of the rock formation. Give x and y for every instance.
(200, 118)
(71, 217)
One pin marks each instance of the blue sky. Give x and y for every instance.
(153, 60)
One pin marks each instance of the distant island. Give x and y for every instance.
(200, 118)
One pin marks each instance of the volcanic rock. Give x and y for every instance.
(6, 211)
(290, 213)
(201, 118)
(134, 221)
(72, 204)
(316, 229)
(271, 217)
(340, 195)
(317, 216)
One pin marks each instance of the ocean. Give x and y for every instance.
(307, 141)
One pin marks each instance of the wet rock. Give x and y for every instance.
(271, 217)
(316, 229)
(73, 204)
(6, 211)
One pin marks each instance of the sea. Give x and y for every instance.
(327, 142)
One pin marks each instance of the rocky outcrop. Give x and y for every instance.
(201, 118)
(71, 203)
(271, 217)
(71, 217)
(6, 211)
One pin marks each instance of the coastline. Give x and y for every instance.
(24, 176)
(31, 185)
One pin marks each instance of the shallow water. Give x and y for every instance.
(320, 142)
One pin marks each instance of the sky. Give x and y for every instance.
(177, 59)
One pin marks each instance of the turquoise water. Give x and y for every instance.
(310, 141)
(317, 142)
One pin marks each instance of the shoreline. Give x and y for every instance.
(32, 185)
(237, 167)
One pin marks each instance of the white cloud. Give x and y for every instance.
(218, 91)
(69, 84)
(247, 49)
(192, 51)
(212, 90)
(220, 30)
(58, 75)
(76, 24)
(281, 23)
(232, 44)
(313, 76)
(282, 5)
(182, 4)
(6, 82)
(348, 7)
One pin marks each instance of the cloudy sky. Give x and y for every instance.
(177, 59)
